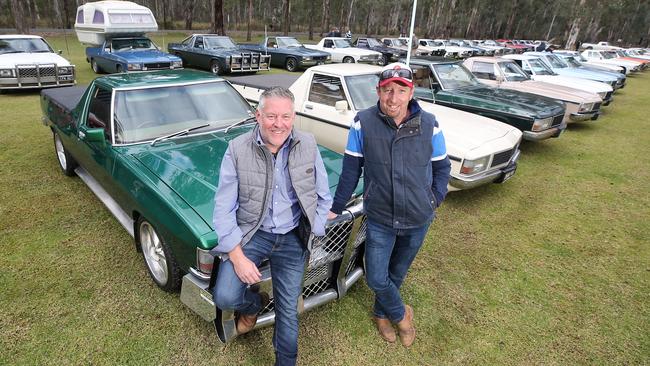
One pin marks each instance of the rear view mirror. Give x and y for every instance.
(92, 135)
(341, 105)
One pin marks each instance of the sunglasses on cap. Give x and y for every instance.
(401, 73)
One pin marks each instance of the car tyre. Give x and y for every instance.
(95, 67)
(66, 161)
(383, 60)
(158, 257)
(118, 69)
(291, 64)
(348, 60)
(215, 68)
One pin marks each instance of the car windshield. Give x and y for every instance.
(20, 45)
(431, 43)
(555, 62)
(288, 42)
(145, 114)
(373, 42)
(608, 55)
(363, 90)
(512, 71)
(399, 42)
(571, 61)
(139, 44)
(218, 42)
(539, 68)
(342, 43)
(455, 76)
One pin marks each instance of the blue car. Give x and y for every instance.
(288, 53)
(561, 68)
(129, 54)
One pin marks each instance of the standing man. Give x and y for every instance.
(402, 152)
(273, 193)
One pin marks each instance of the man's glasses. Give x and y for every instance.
(402, 73)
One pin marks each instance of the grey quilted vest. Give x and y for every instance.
(254, 166)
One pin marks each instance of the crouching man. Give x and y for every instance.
(272, 194)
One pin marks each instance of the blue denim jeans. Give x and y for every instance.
(287, 257)
(389, 254)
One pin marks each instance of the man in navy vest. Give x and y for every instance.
(402, 153)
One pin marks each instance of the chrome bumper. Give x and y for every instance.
(334, 266)
(543, 135)
(494, 176)
(577, 117)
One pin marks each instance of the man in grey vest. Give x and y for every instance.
(273, 193)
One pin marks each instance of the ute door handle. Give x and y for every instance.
(309, 106)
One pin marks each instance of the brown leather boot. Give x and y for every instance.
(246, 322)
(385, 328)
(405, 327)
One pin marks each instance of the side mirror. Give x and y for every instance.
(275, 46)
(92, 135)
(107, 49)
(341, 105)
(59, 52)
(500, 79)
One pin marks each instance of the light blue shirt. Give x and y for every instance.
(284, 211)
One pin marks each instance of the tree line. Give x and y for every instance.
(565, 22)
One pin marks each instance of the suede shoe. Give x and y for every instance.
(385, 328)
(406, 328)
(246, 322)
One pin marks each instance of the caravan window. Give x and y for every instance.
(80, 16)
(121, 18)
(98, 17)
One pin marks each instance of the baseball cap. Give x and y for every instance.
(397, 72)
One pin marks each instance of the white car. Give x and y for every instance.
(583, 61)
(28, 62)
(538, 70)
(342, 51)
(450, 50)
(606, 57)
(481, 150)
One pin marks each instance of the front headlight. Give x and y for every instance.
(65, 70)
(542, 124)
(177, 64)
(307, 58)
(471, 167)
(329, 57)
(585, 107)
(134, 67)
(602, 95)
(7, 73)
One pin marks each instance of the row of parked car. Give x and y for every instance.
(148, 141)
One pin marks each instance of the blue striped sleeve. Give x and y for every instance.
(438, 143)
(355, 139)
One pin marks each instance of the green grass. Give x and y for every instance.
(552, 267)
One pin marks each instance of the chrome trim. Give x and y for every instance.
(124, 219)
(543, 135)
(577, 117)
(200, 274)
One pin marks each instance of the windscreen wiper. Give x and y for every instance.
(238, 123)
(179, 133)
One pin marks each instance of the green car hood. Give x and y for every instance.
(190, 167)
(508, 101)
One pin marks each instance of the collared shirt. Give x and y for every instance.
(284, 211)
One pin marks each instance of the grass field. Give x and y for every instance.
(552, 267)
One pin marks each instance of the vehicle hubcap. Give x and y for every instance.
(60, 152)
(215, 68)
(291, 64)
(153, 252)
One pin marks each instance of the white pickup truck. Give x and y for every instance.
(342, 51)
(328, 97)
(598, 46)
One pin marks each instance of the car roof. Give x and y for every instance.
(425, 60)
(158, 78)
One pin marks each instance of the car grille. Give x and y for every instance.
(246, 62)
(327, 252)
(502, 157)
(40, 76)
(319, 58)
(596, 107)
(157, 65)
(557, 120)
